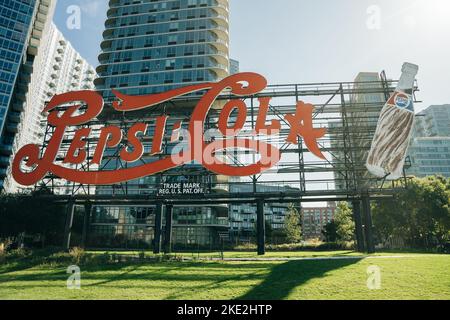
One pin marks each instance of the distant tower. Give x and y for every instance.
(234, 66)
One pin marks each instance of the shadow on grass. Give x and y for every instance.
(276, 280)
(21, 264)
(283, 278)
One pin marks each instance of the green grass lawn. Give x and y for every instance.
(416, 276)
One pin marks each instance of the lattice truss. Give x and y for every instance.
(342, 108)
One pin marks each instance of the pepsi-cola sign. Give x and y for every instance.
(29, 167)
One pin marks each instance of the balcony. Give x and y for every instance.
(221, 71)
(99, 82)
(106, 45)
(222, 21)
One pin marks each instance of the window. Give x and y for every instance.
(172, 40)
(173, 27)
(170, 64)
(171, 52)
(169, 76)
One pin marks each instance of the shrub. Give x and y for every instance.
(77, 254)
(58, 258)
(18, 254)
(312, 246)
(104, 258)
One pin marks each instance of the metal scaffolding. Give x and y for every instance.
(299, 177)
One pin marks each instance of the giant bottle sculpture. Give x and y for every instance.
(394, 130)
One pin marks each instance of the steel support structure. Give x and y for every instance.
(86, 223)
(70, 211)
(298, 178)
(359, 231)
(168, 229)
(260, 227)
(158, 228)
(368, 227)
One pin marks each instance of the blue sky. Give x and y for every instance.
(295, 41)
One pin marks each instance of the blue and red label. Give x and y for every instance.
(402, 101)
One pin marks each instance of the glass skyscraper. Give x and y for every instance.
(430, 147)
(429, 156)
(149, 47)
(21, 27)
(153, 46)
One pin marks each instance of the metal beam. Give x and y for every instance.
(260, 227)
(368, 228)
(86, 223)
(70, 210)
(358, 225)
(168, 229)
(158, 228)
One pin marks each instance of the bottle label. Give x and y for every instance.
(402, 101)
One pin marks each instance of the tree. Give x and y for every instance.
(345, 226)
(33, 215)
(268, 229)
(420, 215)
(330, 231)
(292, 227)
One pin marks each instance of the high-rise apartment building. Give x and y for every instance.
(151, 47)
(234, 66)
(433, 122)
(155, 46)
(429, 152)
(429, 156)
(243, 216)
(58, 68)
(363, 119)
(315, 219)
(362, 113)
(23, 24)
